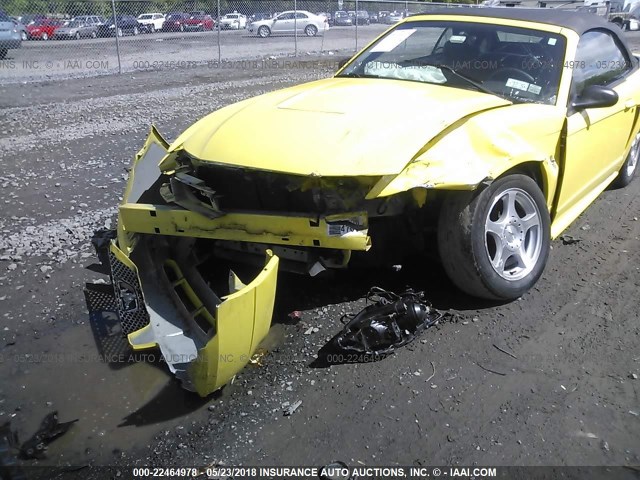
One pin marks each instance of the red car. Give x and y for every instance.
(44, 29)
(199, 22)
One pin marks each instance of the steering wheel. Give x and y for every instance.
(509, 72)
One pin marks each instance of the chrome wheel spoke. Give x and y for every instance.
(510, 209)
(501, 256)
(633, 156)
(495, 229)
(529, 221)
(524, 261)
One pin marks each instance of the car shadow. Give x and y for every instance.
(296, 292)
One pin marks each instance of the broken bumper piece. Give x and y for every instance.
(171, 297)
(172, 294)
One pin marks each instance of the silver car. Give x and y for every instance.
(76, 29)
(9, 35)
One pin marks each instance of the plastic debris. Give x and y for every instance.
(569, 240)
(290, 409)
(257, 357)
(388, 323)
(49, 430)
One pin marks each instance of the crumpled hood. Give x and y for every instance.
(332, 127)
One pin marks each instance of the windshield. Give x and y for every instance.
(519, 64)
(145, 17)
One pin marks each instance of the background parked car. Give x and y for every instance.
(174, 21)
(287, 23)
(96, 20)
(30, 18)
(362, 17)
(382, 16)
(393, 17)
(9, 35)
(150, 22)
(76, 29)
(342, 19)
(44, 29)
(199, 22)
(124, 25)
(234, 21)
(256, 17)
(21, 29)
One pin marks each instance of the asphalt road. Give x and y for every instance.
(569, 397)
(38, 60)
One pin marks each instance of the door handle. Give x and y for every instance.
(629, 104)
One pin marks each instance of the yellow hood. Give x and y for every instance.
(332, 127)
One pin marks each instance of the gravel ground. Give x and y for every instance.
(569, 395)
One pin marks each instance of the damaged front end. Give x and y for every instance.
(173, 294)
(183, 222)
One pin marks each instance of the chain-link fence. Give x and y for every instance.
(63, 38)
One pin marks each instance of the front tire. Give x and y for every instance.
(45, 37)
(264, 31)
(78, 36)
(23, 36)
(630, 165)
(310, 31)
(494, 244)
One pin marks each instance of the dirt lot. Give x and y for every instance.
(569, 395)
(57, 59)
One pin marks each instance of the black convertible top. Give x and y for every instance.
(579, 22)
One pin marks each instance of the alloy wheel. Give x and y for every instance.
(513, 234)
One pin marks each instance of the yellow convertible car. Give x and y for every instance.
(502, 126)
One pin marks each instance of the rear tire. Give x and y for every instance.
(630, 165)
(77, 37)
(152, 29)
(23, 36)
(45, 37)
(494, 243)
(264, 31)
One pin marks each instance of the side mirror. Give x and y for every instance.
(343, 62)
(595, 96)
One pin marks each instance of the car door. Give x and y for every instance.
(283, 23)
(302, 20)
(597, 138)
